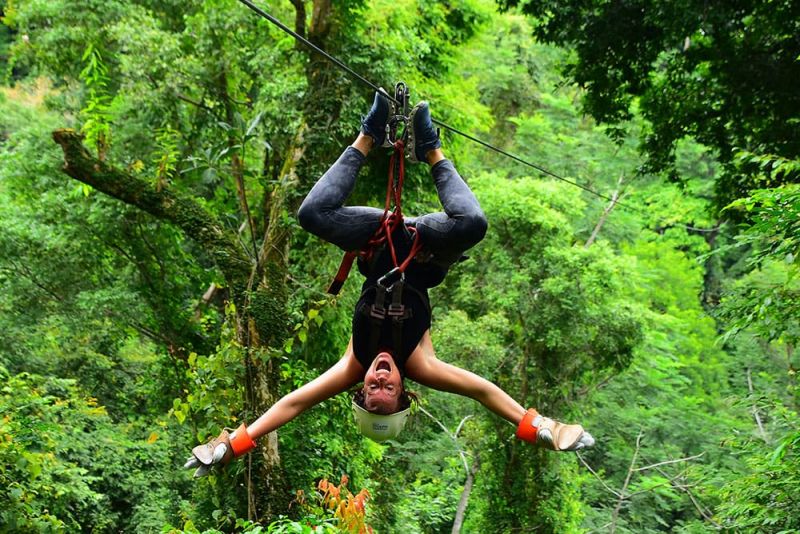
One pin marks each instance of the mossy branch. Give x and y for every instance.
(183, 212)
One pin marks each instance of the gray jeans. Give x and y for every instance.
(444, 234)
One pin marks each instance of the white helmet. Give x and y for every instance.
(380, 427)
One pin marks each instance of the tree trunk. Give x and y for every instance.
(260, 301)
(267, 313)
(461, 509)
(754, 408)
(712, 274)
(256, 285)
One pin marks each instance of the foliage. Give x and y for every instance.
(97, 113)
(766, 299)
(67, 467)
(560, 295)
(723, 76)
(43, 491)
(106, 328)
(775, 216)
(124, 349)
(766, 498)
(215, 386)
(679, 376)
(333, 509)
(348, 510)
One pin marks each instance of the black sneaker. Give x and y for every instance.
(423, 136)
(374, 124)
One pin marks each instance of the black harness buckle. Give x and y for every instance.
(377, 313)
(396, 310)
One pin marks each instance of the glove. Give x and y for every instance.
(551, 434)
(220, 451)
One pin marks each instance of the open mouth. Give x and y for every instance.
(383, 366)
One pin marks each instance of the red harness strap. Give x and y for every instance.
(390, 221)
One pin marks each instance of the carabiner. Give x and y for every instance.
(393, 276)
(398, 115)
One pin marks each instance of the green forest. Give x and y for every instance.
(639, 275)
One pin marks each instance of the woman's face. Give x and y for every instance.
(382, 385)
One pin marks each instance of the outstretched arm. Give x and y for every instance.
(343, 375)
(424, 367)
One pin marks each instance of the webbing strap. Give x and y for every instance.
(378, 309)
(377, 314)
(341, 275)
(396, 308)
(397, 313)
(374, 333)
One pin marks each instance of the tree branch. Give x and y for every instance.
(622, 496)
(181, 211)
(666, 462)
(452, 436)
(461, 509)
(756, 415)
(614, 199)
(237, 156)
(702, 510)
(669, 482)
(22, 269)
(196, 103)
(592, 471)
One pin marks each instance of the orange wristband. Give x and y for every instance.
(526, 431)
(241, 442)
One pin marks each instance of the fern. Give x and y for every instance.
(96, 113)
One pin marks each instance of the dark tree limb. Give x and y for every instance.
(181, 211)
(197, 103)
(299, 21)
(320, 22)
(237, 163)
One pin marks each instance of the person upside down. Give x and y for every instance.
(391, 338)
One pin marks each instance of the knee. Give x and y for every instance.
(468, 230)
(474, 226)
(309, 216)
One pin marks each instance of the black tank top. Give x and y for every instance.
(420, 276)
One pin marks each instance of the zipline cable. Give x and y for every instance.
(532, 165)
(311, 45)
(339, 63)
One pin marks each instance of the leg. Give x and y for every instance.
(323, 212)
(462, 225)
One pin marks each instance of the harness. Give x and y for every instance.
(388, 303)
